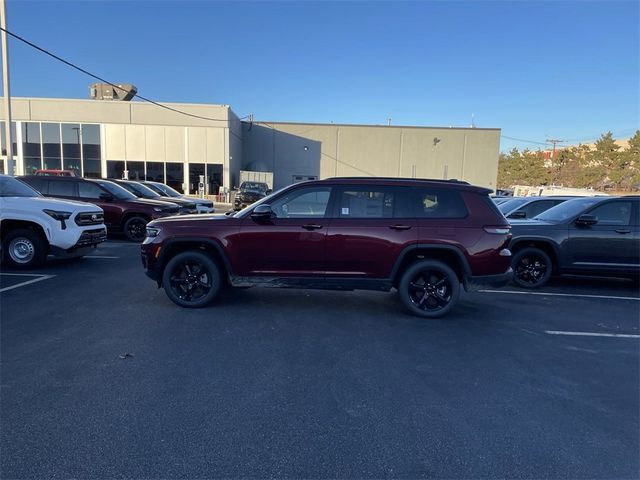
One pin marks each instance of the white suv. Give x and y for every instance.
(32, 226)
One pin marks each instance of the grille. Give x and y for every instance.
(89, 218)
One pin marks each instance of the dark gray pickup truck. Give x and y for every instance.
(590, 236)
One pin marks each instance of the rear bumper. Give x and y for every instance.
(472, 284)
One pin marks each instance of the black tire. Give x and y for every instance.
(192, 279)
(134, 228)
(532, 268)
(429, 288)
(24, 249)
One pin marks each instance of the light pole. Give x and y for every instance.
(6, 90)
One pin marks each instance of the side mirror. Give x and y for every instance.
(107, 197)
(269, 191)
(262, 212)
(518, 214)
(586, 220)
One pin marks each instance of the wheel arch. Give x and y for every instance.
(9, 225)
(175, 246)
(546, 246)
(448, 254)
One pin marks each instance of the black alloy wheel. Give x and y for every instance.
(532, 268)
(191, 279)
(134, 228)
(429, 288)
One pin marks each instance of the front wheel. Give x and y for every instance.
(24, 249)
(532, 268)
(135, 228)
(429, 289)
(192, 279)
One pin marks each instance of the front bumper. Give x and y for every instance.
(472, 284)
(89, 239)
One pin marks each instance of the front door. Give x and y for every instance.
(608, 245)
(292, 244)
(90, 192)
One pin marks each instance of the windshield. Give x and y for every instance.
(116, 190)
(567, 210)
(510, 205)
(254, 186)
(11, 187)
(266, 199)
(139, 190)
(167, 190)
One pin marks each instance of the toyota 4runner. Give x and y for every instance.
(32, 226)
(424, 238)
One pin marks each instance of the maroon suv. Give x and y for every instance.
(423, 237)
(123, 211)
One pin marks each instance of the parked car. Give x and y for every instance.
(499, 200)
(250, 192)
(202, 205)
(424, 238)
(142, 191)
(591, 235)
(32, 227)
(123, 211)
(529, 207)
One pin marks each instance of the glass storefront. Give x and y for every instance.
(71, 147)
(91, 154)
(115, 168)
(175, 176)
(31, 147)
(155, 171)
(136, 170)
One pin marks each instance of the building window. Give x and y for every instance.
(155, 171)
(91, 155)
(52, 156)
(136, 170)
(71, 147)
(31, 147)
(115, 169)
(175, 176)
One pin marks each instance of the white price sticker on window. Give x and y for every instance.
(345, 211)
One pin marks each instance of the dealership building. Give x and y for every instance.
(107, 138)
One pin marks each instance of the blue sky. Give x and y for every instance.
(566, 70)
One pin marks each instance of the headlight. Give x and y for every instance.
(152, 232)
(57, 215)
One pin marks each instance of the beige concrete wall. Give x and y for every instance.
(290, 149)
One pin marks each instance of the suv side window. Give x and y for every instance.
(89, 190)
(302, 203)
(439, 204)
(613, 213)
(535, 208)
(374, 202)
(63, 189)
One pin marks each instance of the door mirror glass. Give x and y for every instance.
(587, 220)
(519, 214)
(107, 197)
(262, 212)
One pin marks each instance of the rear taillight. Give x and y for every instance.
(497, 230)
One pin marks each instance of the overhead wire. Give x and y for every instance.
(103, 80)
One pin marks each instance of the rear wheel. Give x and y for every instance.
(134, 228)
(429, 288)
(24, 249)
(192, 279)
(532, 268)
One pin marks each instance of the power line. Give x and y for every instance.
(524, 140)
(97, 77)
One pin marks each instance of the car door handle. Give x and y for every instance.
(623, 230)
(400, 227)
(312, 226)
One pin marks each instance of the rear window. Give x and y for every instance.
(440, 204)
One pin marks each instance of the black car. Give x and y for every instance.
(529, 207)
(142, 191)
(250, 192)
(590, 236)
(202, 204)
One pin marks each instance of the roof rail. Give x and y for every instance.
(451, 180)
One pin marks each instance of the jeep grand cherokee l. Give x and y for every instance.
(123, 211)
(424, 238)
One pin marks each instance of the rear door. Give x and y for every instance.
(609, 245)
(371, 226)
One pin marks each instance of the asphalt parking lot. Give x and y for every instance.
(102, 376)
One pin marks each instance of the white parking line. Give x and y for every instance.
(28, 282)
(610, 297)
(592, 334)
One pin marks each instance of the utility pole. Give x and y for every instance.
(5, 89)
(554, 142)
